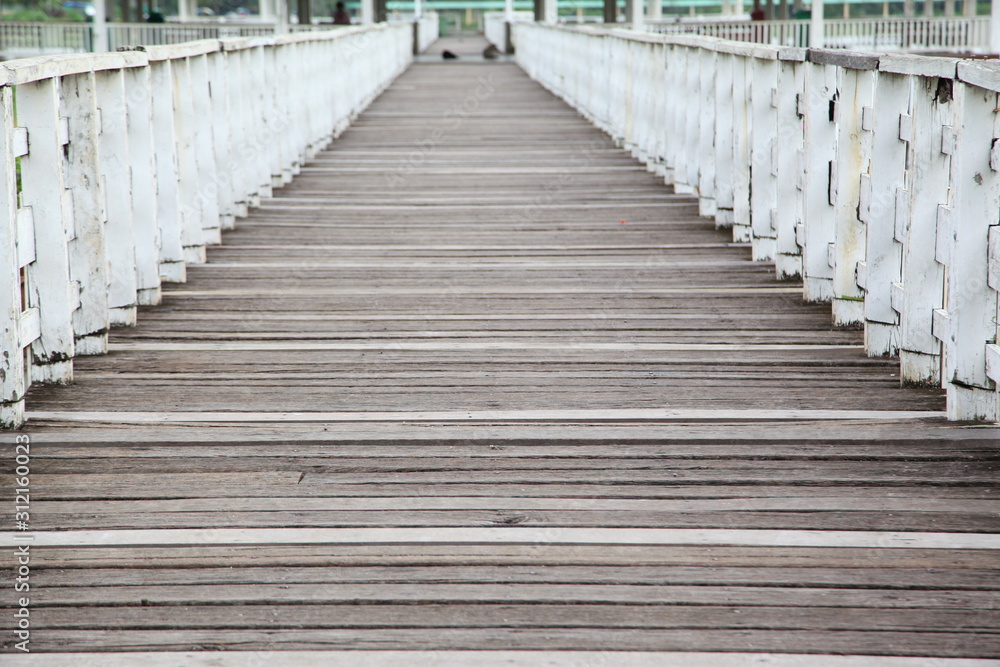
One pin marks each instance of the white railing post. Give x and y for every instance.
(788, 160)
(240, 120)
(921, 290)
(13, 256)
(275, 117)
(967, 325)
(994, 26)
(117, 183)
(550, 11)
(818, 232)
(143, 180)
(635, 18)
(204, 145)
(724, 140)
(742, 119)
(706, 131)
(263, 112)
(286, 86)
(47, 208)
(763, 70)
(849, 174)
(87, 253)
(219, 112)
(886, 211)
(669, 74)
(187, 166)
(99, 27)
(168, 215)
(687, 159)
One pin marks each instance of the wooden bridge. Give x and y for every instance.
(477, 388)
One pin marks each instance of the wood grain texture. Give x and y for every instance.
(471, 244)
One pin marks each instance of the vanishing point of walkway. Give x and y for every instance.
(476, 380)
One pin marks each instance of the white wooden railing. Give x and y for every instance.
(119, 168)
(156, 34)
(19, 40)
(941, 33)
(495, 26)
(36, 39)
(916, 34)
(787, 33)
(428, 28)
(874, 178)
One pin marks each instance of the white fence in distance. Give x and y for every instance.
(874, 178)
(21, 40)
(914, 34)
(119, 168)
(495, 26)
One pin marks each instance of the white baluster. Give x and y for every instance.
(13, 381)
(724, 140)
(921, 291)
(968, 323)
(763, 79)
(850, 182)
(82, 174)
(142, 165)
(706, 131)
(742, 120)
(790, 141)
(117, 184)
(819, 227)
(168, 206)
(47, 279)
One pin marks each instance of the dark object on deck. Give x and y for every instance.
(491, 52)
(448, 55)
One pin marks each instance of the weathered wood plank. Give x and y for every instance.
(941, 644)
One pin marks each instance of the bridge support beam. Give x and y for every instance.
(610, 11)
(633, 14)
(187, 9)
(99, 30)
(994, 26)
(547, 11)
(305, 12)
(816, 25)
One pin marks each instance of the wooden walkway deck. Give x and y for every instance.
(476, 380)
